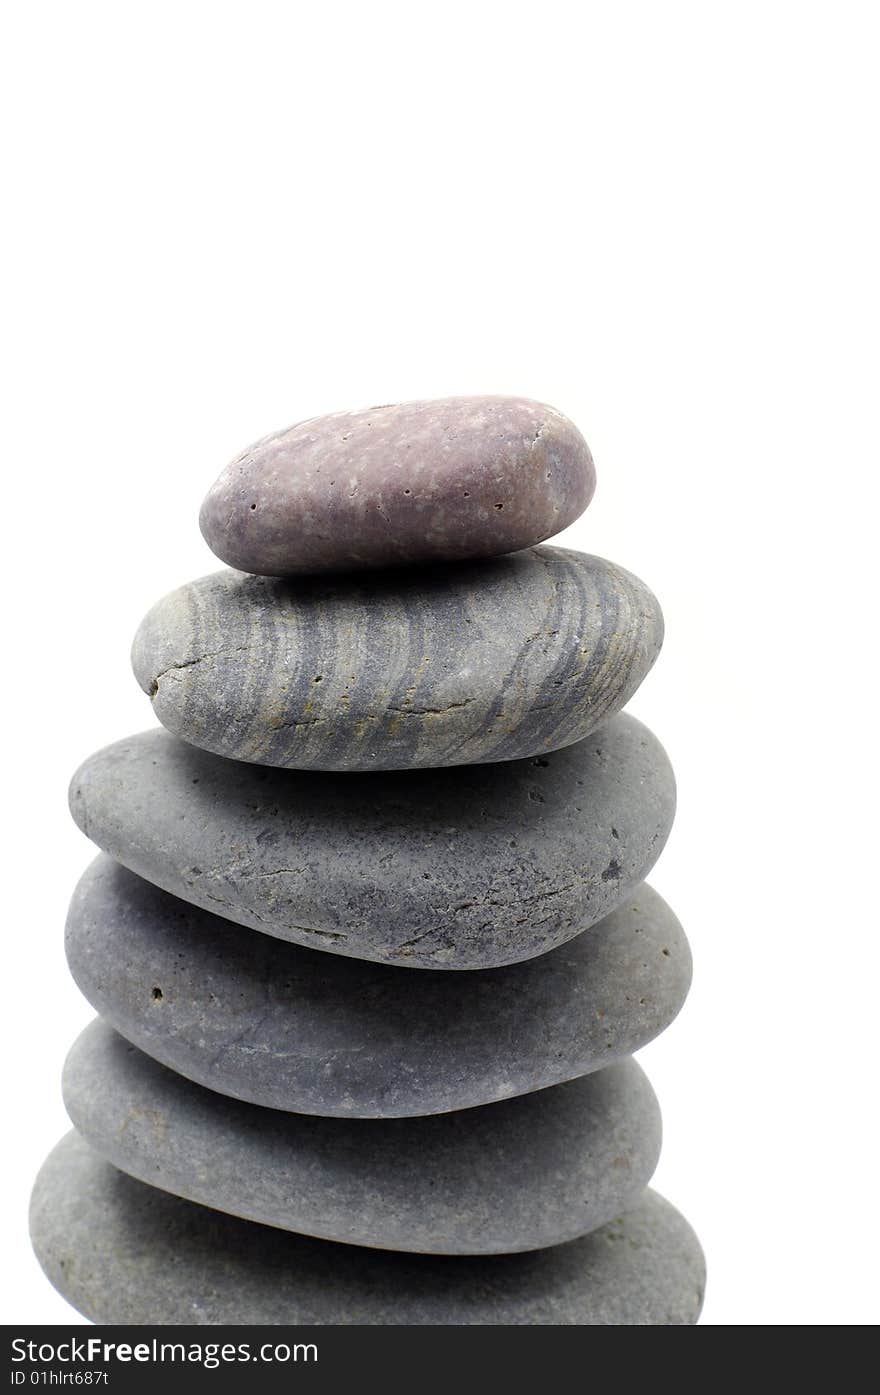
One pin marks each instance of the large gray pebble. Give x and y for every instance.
(527, 1172)
(489, 661)
(465, 868)
(122, 1252)
(288, 1027)
(408, 482)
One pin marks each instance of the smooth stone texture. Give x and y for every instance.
(292, 1028)
(465, 868)
(410, 482)
(490, 661)
(518, 1175)
(123, 1252)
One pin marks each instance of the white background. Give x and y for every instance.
(663, 219)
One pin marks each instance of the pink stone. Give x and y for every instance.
(460, 477)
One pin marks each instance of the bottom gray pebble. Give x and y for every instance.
(122, 1252)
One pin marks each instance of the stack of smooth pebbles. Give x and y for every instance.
(369, 934)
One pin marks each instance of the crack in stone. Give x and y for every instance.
(546, 895)
(191, 663)
(430, 711)
(280, 872)
(325, 934)
(417, 939)
(378, 717)
(447, 929)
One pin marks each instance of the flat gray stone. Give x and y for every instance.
(465, 868)
(518, 1175)
(292, 1028)
(488, 661)
(123, 1252)
(409, 482)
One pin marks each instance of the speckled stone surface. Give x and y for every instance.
(527, 1172)
(409, 482)
(489, 661)
(123, 1252)
(464, 868)
(292, 1028)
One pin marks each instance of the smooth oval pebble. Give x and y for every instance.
(123, 1252)
(291, 1028)
(466, 868)
(409, 482)
(495, 661)
(528, 1172)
